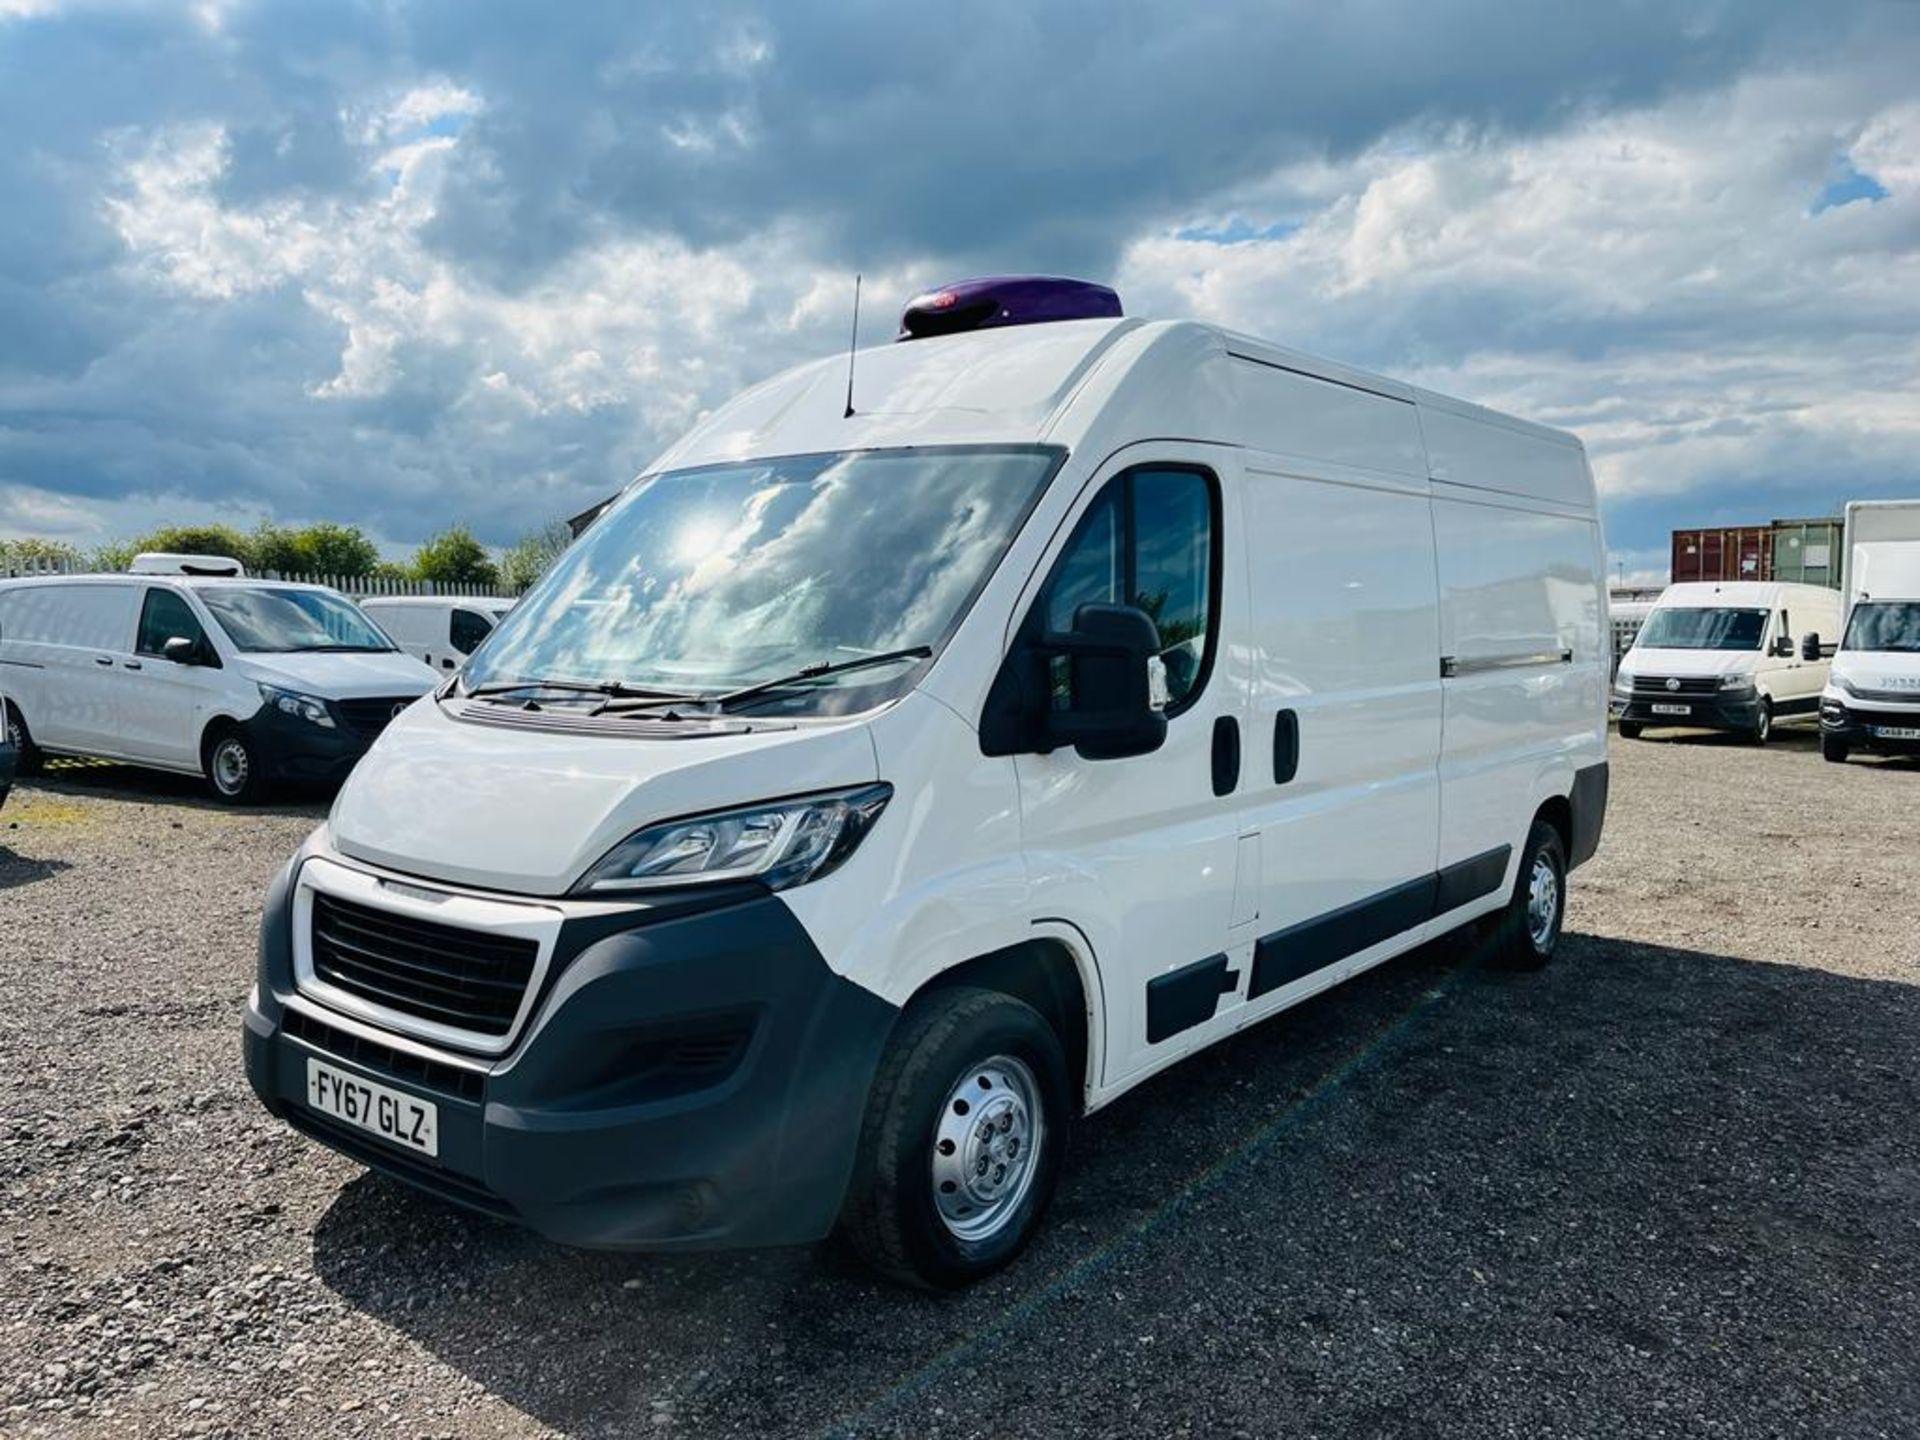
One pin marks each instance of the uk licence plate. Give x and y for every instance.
(1894, 732)
(399, 1119)
(1671, 709)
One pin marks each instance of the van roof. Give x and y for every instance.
(197, 582)
(1064, 383)
(1763, 593)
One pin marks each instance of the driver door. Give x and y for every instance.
(1145, 854)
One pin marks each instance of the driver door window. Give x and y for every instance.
(167, 616)
(1150, 540)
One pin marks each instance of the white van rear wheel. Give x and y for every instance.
(1526, 933)
(27, 757)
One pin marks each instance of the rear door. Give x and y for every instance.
(1144, 854)
(465, 630)
(164, 699)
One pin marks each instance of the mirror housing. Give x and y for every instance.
(1782, 648)
(1810, 646)
(181, 651)
(1110, 712)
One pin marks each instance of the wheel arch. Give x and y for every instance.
(1051, 974)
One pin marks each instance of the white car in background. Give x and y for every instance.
(246, 682)
(439, 630)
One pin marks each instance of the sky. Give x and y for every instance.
(400, 264)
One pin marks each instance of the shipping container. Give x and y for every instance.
(1729, 552)
(1808, 552)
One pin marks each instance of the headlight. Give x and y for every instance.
(780, 844)
(307, 707)
(1623, 682)
(1845, 684)
(1736, 682)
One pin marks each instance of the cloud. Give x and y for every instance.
(434, 261)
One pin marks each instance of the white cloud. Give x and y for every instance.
(1652, 278)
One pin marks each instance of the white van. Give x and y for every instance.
(864, 798)
(1872, 699)
(247, 682)
(1733, 655)
(441, 630)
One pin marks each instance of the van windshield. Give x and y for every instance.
(1884, 625)
(266, 620)
(704, 581)
(1703, 628)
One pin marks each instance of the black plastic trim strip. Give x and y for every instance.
(1187, 997)
(1467, 880)
(1588, 802)
(1297, 951)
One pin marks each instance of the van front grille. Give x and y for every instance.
(369, 717)
(467, 979)
(1655, 686)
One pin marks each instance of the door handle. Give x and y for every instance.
(1226, 755)
(103, 660)
(1286, 746)
(131, 664)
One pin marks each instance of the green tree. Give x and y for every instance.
(33, 550)
(199, 540)
(529, 557)
(114, 556)
(274, 547)
(454, 557)
(330, 549)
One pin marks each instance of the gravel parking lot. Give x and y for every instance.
(1671, 1186)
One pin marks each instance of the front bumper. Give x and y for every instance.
(295, 751)
(1731, 710)
(589, 1131)
(1854, 724)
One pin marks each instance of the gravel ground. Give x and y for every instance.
(1671, 1186)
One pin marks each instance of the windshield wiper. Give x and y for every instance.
(610, 689)
(817, 670)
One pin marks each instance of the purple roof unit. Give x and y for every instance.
(995, 300)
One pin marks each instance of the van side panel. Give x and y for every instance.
(1285, 414)
(1521, 628)
(1345, 730)
(1485, 452)
(64, 641)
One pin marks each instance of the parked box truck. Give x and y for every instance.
(900, 770)
(1872, 698)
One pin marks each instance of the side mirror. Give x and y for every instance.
(1109, 713)
(181, 651)
(1810, 646)
(1782, 647)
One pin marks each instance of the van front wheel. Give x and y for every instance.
(1763, 726)
(1629, 730)
(962, 1140)
(1834, 749)
(233, 767)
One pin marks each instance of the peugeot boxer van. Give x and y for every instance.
(1872, 700)
(245, 682)
(1734, 655)
(439, 630)
(891, 778)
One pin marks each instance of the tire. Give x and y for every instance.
(1834, 749)
(971, 1077)
(232, 767)
(1763, 727)
(1521, 937)
(28, 759)
(1629, 730)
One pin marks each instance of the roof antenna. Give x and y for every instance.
(853, 346)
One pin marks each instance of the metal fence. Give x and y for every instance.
(359, 587)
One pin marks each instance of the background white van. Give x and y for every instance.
(1872, 700)
(1734, 655)
(247, 682)
(865, 796)
(439, 630)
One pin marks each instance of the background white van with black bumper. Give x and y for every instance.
(1872, 699)
(246, 682)
(1735, 655)
(865, 797)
